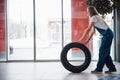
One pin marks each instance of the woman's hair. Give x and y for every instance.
(92, 10)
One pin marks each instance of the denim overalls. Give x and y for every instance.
(104, 50)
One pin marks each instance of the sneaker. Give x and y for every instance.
(110, 71)
(96, 72)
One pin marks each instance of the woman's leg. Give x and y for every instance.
(102, 54)
(109, 61)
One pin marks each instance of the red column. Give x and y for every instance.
(79, 19)
(2, 26)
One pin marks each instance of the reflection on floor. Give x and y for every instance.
(47, 71)
(112, 77)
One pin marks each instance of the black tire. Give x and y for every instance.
(70, 67)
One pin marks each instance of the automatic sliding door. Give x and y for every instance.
(48, 29)
(20, 29)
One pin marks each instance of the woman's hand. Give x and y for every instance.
(80, 40)
(86, 42)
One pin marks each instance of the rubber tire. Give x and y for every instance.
(70, 67)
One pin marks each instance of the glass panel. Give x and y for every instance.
(48, 29)
(67, 21)
(20, 29)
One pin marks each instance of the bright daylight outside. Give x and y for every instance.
(48, 29)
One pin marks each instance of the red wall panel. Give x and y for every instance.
(2, 26)
(79, 18)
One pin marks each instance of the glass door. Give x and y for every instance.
(48, 29)
(20, 29)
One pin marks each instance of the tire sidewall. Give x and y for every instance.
(70, 67)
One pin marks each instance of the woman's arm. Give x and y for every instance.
(86, 31)
(90, 35)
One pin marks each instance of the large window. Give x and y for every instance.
(37, 29)
(48, 29)
(20, 29)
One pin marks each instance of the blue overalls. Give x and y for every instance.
(104, 50)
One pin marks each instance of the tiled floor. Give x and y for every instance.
(46, 71)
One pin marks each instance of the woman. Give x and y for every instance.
(96, 22)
